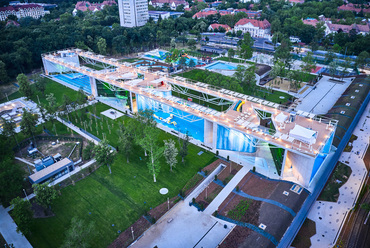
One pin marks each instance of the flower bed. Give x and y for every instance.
(212, 191)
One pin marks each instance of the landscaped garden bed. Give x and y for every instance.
(208, 195)
(339, 177)
(236, 238)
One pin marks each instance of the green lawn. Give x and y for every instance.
(230, 82)
(131, 60)
(95, 67)
(119, 199)
(51, 87)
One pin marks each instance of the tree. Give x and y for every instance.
(173, 43)
(346, 66)
(365, 206)
(104, 154)
(45, 195)
(81, 97)
(66, 102)
(184, 143)
(182, 62)
(22, 215)
(51, 108)
(362, 58)
(102, 46)
(246, 51)
(283, 54)
(191, 63)
(4, 78)
(24, 86)
(329, 57)
(191, 44)
(149, 143)
(11, 179)
(230, 53)
(333, 68)
(170, 153)
(40, 84)
(308, 63)
(78, 234)
(9, 127)
(127, 138)
(28, 123)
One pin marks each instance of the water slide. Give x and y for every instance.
(240, 105)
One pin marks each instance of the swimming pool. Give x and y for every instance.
(76, 79)
(221, 66)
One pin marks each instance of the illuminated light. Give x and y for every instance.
(286, 146)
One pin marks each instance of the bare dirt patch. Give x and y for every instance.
(367, 158)
(208, 194)
(160, 210)
(302, 240)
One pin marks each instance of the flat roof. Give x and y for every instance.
(48, 171)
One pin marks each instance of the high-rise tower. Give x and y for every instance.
(133, 13)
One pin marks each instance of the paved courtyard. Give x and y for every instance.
(329, 216)
(323, 98)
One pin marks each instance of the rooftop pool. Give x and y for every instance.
(219, 65)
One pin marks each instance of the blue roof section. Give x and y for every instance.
(50, 171)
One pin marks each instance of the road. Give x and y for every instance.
(360, 234)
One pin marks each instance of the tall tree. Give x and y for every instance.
(170, 153)
(102, 46)
(4, 78)
(104, 154)
(9, 127)
(149, 143)
(184, 143)
(22, 215)
(40, 84)
(308, 63)
(11, 179)
(283, 54)
(45, 195)
(78, 234)
(362, 58)
(24, 86)
(28, 123)
(127, 138)
(231, 53)
(246, 51)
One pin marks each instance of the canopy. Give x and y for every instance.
(303, 134)
(281, 117)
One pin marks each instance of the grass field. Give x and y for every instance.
(131, 60)
(202, 76)
(119, 198)
(51, 87)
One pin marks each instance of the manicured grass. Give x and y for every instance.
(119, 199)
(235, 60)
(339, 177)
(95, 67)
(51, 87)
(131, 60)
(230, 82)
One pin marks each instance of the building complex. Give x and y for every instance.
(20, 11)
(133, 13)
(241, 127)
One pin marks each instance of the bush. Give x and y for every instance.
(237, 188)
(206, 172)
(228, 158)
(215, 213)
(217, 153)
(225, 182)
(254, 168)
(215, 177)
(193, 200)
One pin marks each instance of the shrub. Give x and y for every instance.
(206, 172)
(237, 188)
(217, 153)
(254, 168)
(193, 200)
(228, 158)
(215, 213)
(215, 177)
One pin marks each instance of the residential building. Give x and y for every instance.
(255, 27)
(172, 3)
(336, 28)
(133, 13)
(311, 21)
(214, 26)
(93, 7)
(230, 11)
(156, 14)
(293, 2)
(20, 11)
(354, 8)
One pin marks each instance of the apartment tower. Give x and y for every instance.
(133, 13)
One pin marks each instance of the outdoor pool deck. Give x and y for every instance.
(230, 118)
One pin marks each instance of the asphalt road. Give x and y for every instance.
(360, 234)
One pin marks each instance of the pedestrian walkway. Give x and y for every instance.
(24, 161)
(213, 206)
(8, 230)
(330, 216)
(77, 130)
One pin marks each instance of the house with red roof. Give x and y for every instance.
(216, 26)
(20, 11)
(256, 28)
(93, 7)
(354, 8)
(172, 3)
(337, 28)
(311, 21)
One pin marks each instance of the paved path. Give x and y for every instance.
(9, 231)
(202, 230)
(226, 191)
(24, 161)
(77, 130)
(329, 216)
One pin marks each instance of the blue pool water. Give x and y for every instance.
(76, 79)
(185, 122)
(220, 66)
